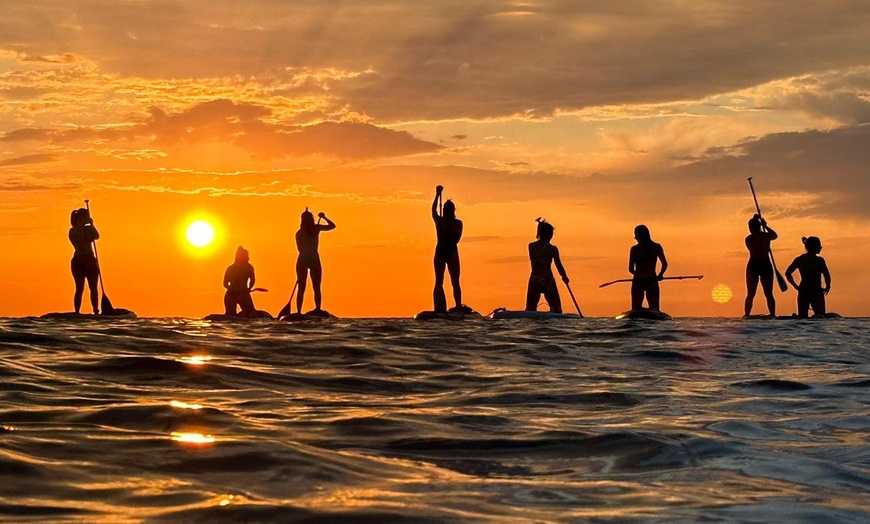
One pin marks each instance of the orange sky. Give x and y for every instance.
(597, 117)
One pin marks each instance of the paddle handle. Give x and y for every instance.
(96, 255)
(779, 279)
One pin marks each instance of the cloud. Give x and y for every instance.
(457, 59)
(245, 125)
(27, 159)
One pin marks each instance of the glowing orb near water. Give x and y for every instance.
(721, 294)
(200, 233)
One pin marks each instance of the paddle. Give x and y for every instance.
(105, 304)
(781, 281)
(684, 277)
(574, 299)
(264, 290)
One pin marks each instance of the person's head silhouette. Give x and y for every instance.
(641, 234)
(812, 245)
(241, 255)
(449, 209)
(545, 230)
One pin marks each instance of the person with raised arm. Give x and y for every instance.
(308, 262)
(542, 255)
(759, 267)
(84, 265)
(448, 229)
(642, 260)
(812, 269)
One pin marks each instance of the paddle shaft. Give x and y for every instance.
(779, 279)
(684, 277)
(96, 256)
(573, 299)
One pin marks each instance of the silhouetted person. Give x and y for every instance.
(759, 266)
(84, 265)
(642, 261)
(812, 268)
(449, 230)
(239, 280)
(542, 254)
(307, 242)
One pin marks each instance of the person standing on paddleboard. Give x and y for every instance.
(307, 242)
(542, 254)
(84, 265)
(239, 281)
(642, 261)
(449, 230)
(759, 266)
(812, 268)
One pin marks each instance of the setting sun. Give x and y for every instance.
(200, 233)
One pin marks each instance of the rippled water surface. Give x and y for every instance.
(400, 421)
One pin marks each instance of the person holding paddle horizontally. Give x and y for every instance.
(84, 265)
(642, 260)
(759, 266)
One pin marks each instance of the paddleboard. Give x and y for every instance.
(457, 313)
(117, 314)
(311, 315)
(222, 317)
(643, 314)
(502, 313)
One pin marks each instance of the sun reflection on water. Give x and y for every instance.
(191, 438)
(195, 360)
(184, 405)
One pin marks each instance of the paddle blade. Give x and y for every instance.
(286, 310)
(106, 306)
(781, 281)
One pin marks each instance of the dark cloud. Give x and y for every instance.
(27, 159)
(458, 59)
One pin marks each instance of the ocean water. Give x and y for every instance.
(392, 420)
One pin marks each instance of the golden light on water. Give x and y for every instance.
(191, 438)
(184, 405)
(721, 294)
(195, 360)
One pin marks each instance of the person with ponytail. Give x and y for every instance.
(542, 254)
(642, 260)
(239, 279)
(759, 267)
(308, 262)
(812, 269)
(84, 265)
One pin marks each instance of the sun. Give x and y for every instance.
(721, 294)
(200, 233)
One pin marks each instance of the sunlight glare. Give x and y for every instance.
(200, 233)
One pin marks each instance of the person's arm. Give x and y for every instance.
(558, 261)
(632, 263)
(93, 234)
(435, 215)
(226, 282)
(329, 226)
(251, 280)
(664, 262)
(459, 231)
(827, 275)
(788, 273)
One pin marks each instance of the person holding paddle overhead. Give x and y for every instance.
(642, 260)
(812, 268)
(239, 281)
(84, 265)
(448, 229)
(308, 262)
(542, 254)
(759, 266)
